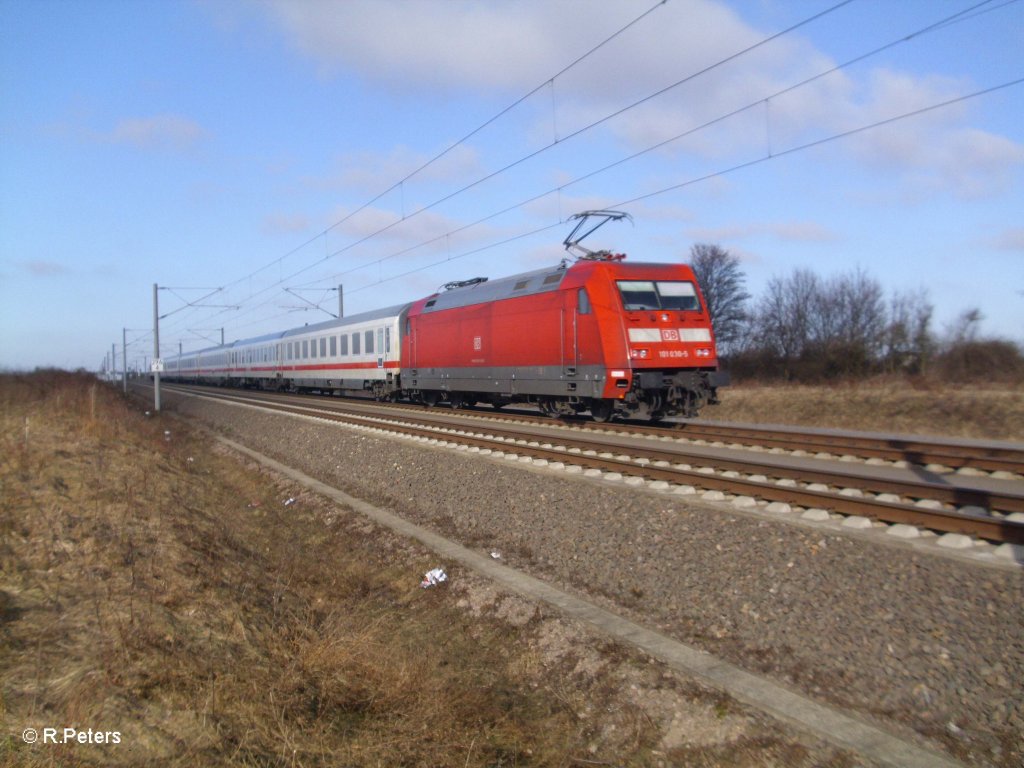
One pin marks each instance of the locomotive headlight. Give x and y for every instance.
(703, 353)
(664, 316)
(638, 354)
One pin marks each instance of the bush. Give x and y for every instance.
(991, 360)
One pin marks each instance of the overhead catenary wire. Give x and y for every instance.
(706, 177)
(960, 16)
(529, 156)
(665, 142)
(501, 113)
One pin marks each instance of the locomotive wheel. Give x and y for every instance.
(457, 400)
(430, 399)
(600, 410)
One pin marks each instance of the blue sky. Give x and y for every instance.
(269, 145)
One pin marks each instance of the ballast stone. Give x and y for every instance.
(1008, 551)
(819, 515)
(955, 541)
(904, 531)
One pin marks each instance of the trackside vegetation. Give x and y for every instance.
(154, 588)
(173, 605)
(808, 328)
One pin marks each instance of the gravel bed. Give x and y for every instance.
(924, 641)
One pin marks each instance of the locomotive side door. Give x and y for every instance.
(569, 332)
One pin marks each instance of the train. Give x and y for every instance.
(596, 335)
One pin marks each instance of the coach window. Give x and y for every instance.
(343, 342)
(312, 348)
(323, 347)
(355, 343)
(369, 341)
(305, 350)
(334, 346)
(387, 340)
(584, 302)
(380, 341)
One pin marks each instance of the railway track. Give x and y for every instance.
(978, 507)
(981, 456)
(968, 456)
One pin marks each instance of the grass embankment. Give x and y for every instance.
(992, 411)
(155, 587)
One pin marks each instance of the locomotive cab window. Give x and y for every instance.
(661, 294)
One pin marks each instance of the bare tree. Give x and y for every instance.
(909, 343)
(847, 324)
(964, 329)
(722, 282)
(783, 320)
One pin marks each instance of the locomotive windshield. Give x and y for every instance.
(661, 294)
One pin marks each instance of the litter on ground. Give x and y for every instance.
(431, 578)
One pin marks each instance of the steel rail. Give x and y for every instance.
(982, 526)
(914, 450)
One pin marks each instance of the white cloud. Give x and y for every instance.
(787, 231)
(45, 268)
(406, 44)
(392, 234)
(417, 46)
(284, 223)
(1009, 240)
(366, 171)
(157, 132)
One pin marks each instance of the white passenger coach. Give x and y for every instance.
(358, 353)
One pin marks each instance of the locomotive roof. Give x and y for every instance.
(523, 284)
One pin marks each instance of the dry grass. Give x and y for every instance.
(152, 586)
(991, 411)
